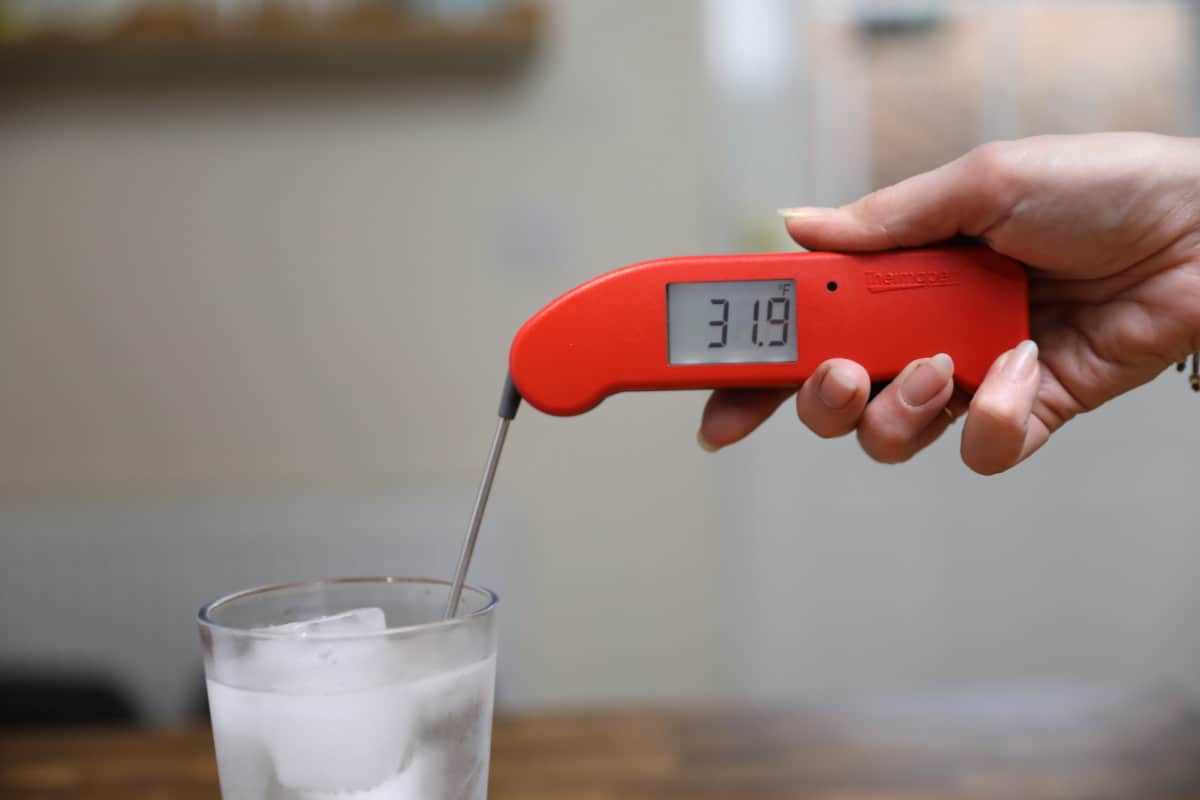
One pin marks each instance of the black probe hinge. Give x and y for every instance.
(510, 399)
(1194, 378)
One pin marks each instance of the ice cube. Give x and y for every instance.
(316, 656)
(317, 699)
(342, 742)
(422, 739)
(358, 620)
(425, 778)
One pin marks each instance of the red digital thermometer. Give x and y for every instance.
(705, 322)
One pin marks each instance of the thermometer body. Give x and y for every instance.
(708, 322)
(704, 322)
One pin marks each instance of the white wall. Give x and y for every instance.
(248, 291)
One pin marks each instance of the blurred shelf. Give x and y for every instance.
(164, 43)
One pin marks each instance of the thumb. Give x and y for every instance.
(967, 196)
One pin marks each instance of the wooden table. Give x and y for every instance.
(1011, 745)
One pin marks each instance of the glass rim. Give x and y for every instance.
(204, 616)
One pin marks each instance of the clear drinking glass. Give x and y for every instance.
(351, 689)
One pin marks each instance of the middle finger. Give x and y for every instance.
(909, 414)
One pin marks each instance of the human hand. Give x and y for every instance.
(1109, 225)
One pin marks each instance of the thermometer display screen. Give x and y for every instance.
(731, 322)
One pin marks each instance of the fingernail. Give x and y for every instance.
(803, 212)
(926, 380)
(1021, 363)
(705, 444)
(836, 389)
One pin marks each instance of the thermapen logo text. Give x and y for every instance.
(879, 281)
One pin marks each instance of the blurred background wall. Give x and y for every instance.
(255, 330)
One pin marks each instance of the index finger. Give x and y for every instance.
(733, 414)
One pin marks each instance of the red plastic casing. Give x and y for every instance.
(609, 335)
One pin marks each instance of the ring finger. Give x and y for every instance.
(911, 412)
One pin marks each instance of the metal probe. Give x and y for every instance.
(509, 401)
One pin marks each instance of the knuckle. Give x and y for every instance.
(995, 434)
(992, 158)
(878, 208)
(998, 415)
(886, 444)
(875, 205)
(1142, 335)
(831, 431)
(985, 464)
(998, 168)
(826, 426)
